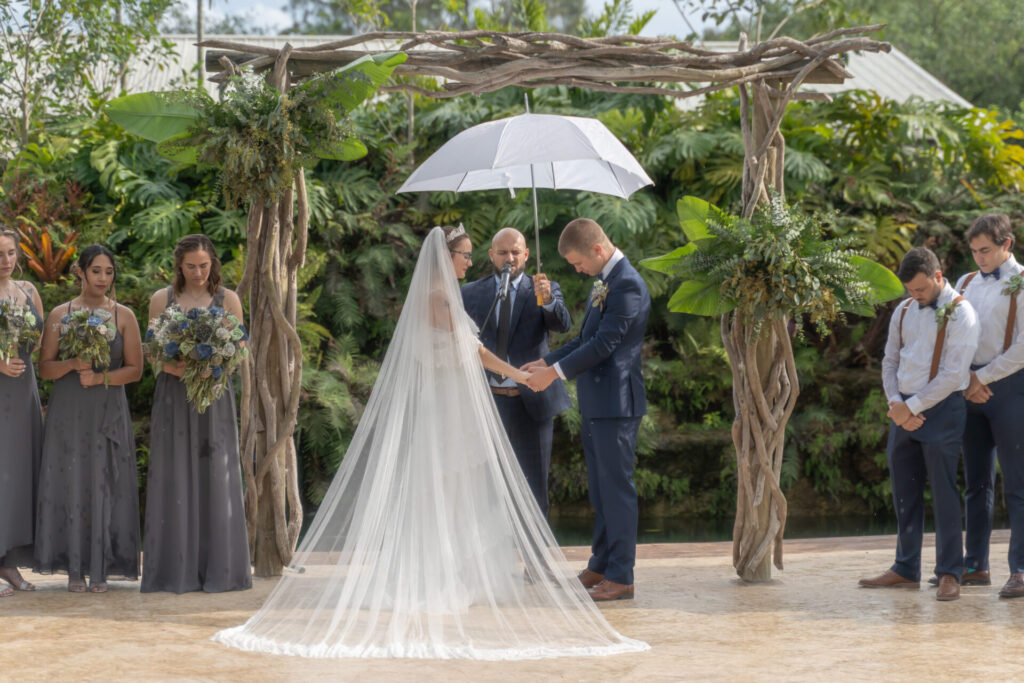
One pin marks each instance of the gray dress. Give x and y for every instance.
(88, 515)
(21, 424)
(195, 537)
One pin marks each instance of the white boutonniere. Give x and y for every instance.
(598, 294)
(945, 312)
(1014, 284)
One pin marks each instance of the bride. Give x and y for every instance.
(429, 543)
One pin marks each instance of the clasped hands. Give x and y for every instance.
(977, 392)
(900, 414)
(13, 367)
(86, 376)
(541, 375)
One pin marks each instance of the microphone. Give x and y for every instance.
(506, 281)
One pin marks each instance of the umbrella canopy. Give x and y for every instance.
(532, 150)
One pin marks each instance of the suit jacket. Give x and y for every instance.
(528, 335)
(605, 357)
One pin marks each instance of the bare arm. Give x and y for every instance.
(495, 364)
(131, 369)
(36, 299)
(49, 366)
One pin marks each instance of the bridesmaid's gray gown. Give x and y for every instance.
(88, 519)
(195, 538)
(21, 427)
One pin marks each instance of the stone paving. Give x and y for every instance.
(811, 623)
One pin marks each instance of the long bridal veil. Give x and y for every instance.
(429, 542)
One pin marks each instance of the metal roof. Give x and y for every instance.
(892, 75)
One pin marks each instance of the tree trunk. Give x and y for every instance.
(765, 389)
(275, 249)
(765, 383)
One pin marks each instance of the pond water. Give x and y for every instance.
(575, 530)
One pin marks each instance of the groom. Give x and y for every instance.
(605, 358)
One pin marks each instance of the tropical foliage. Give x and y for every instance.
(886, 175)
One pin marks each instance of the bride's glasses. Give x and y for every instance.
(466, 254)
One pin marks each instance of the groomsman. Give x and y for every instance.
(995, 420)
(932, 338)
(518, 332)
(605, 360)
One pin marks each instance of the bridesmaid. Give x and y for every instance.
(21, 424)
(88, 515)
(195, 536)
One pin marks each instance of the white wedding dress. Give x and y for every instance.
(429, 543)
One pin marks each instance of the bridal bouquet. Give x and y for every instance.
(86, 335)
(17, 327)
(207, 340)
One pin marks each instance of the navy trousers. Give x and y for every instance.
(609, 447)
(932, 454)
(531, 441)
(996, 426)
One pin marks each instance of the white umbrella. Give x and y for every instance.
(532, 150)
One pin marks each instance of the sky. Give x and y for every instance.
(269, 14)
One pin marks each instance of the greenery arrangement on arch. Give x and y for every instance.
(758, 274)
(262, 136)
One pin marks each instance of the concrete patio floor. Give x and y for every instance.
(811, 623)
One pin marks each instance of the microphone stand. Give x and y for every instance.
(490, 311)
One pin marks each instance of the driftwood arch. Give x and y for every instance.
(765, 385)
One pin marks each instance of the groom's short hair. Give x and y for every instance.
(580, 235)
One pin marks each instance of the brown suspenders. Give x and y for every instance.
(940, 337)
(1011, 314)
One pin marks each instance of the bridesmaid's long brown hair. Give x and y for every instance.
(188, 244)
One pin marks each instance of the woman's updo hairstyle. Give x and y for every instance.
(453, 235)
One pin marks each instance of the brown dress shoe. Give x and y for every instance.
(979, 577)
(889, 579)
(589, 579)
(1014, 588)
(609, 590)
(949, 588)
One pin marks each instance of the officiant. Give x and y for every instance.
(528, 308)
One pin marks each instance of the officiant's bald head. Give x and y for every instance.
(509, 246)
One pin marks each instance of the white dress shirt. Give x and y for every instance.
(617, 256)
(905, 371)
(987, 298)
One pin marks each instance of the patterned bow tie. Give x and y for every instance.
(933, 305)
(994, 273)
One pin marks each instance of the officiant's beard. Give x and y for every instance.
(515, 273)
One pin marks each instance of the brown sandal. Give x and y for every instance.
(76, 586)
(98, 588)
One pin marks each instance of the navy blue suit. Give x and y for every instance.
(606, 362)
(529, 418)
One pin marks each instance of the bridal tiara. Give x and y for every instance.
(455, 234)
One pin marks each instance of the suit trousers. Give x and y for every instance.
(995, 426)
(930, 454)
(531, 441)
(609, 447)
